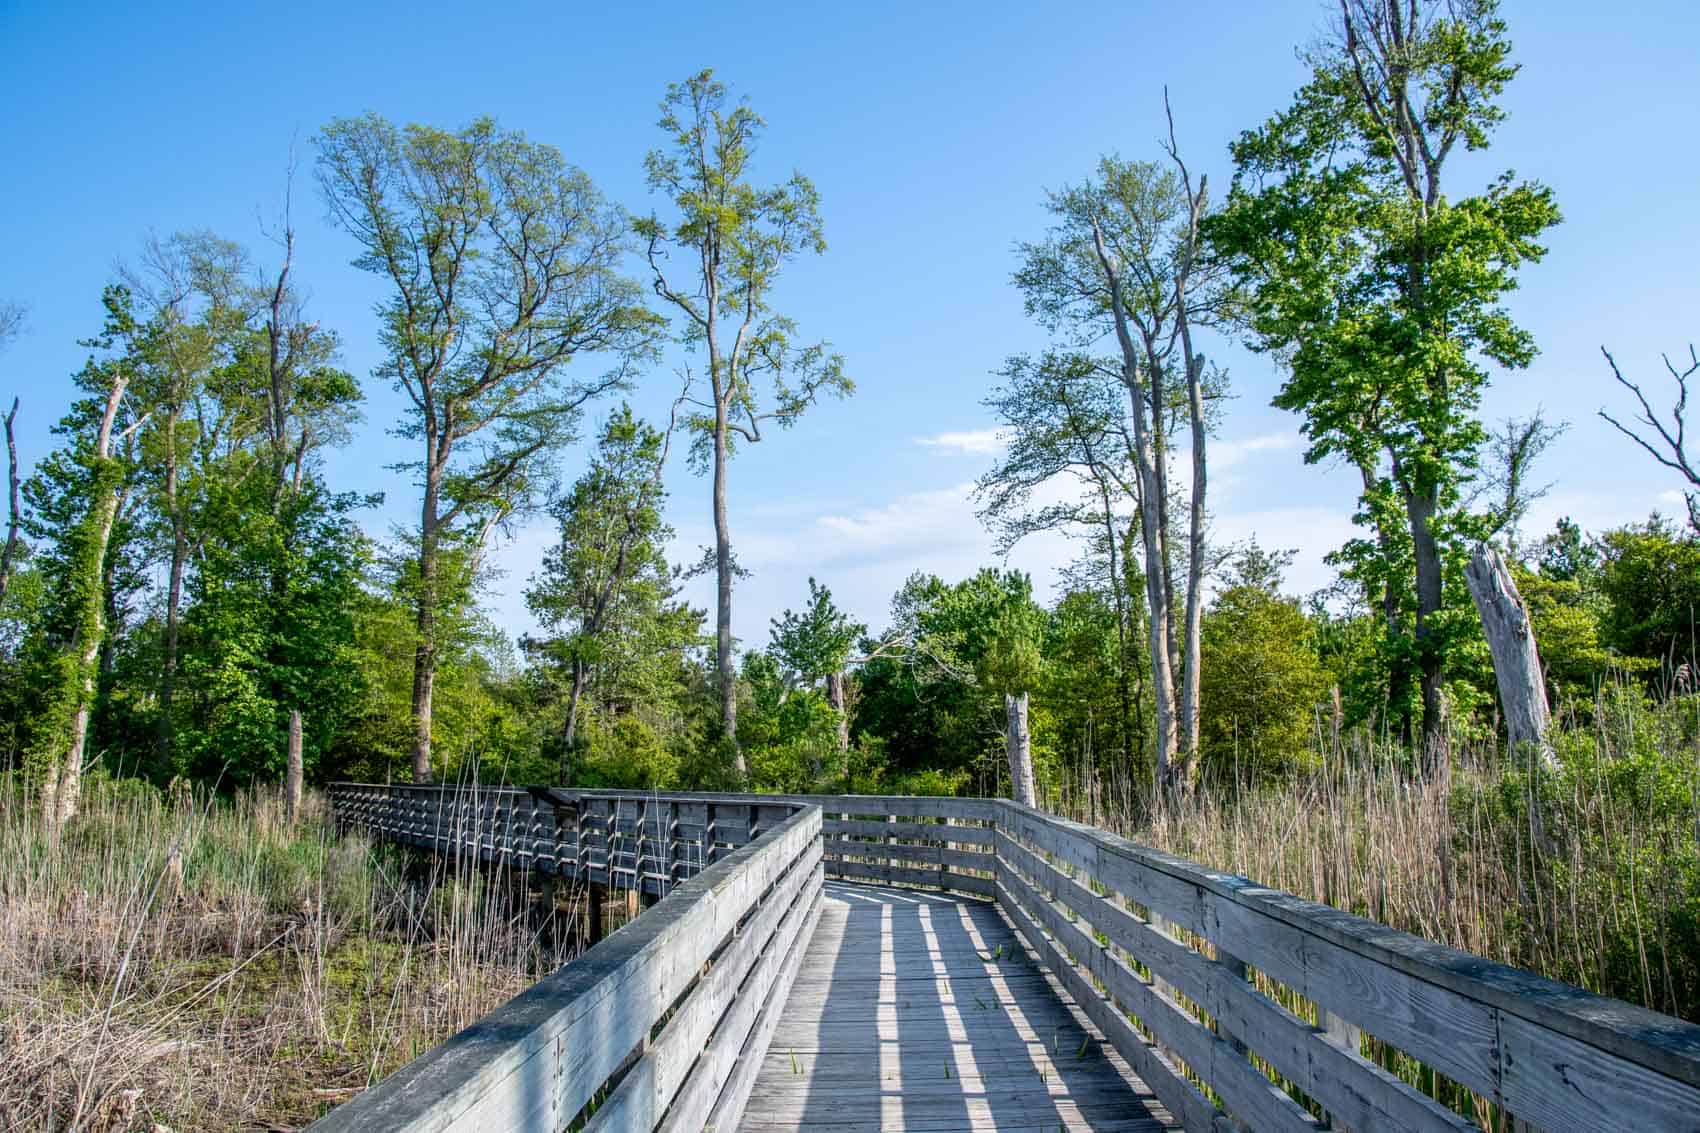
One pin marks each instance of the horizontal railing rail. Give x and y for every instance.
(1193, 973)
(651, 841)
(661, 1026)
(1241, 1007)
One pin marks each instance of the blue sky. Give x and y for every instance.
(931, 131)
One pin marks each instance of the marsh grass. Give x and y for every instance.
(187, 962)
(1588, 872)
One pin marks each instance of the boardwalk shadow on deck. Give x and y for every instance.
(922, 1011)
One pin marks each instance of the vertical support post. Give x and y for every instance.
(1237, 966)
(293, 772)
(1349, 1035)
(597, 896)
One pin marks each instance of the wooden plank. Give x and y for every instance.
(647, 1090)
(729, 1106)
(904, 982)
(1557, 1083)
(1661, 1043)
(1362, 1094)
(740, 1028)
(908, 831)
(1178, 1095)
(1247, 1093)
(534, 1062)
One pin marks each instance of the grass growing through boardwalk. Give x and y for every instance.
(192, 963)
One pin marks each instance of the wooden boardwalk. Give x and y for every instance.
(922, 1011)
(1031, 974)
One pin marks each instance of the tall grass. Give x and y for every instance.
(193, 963)
(1588, 873)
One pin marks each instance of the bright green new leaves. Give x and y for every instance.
(818, 641)
(735, 238)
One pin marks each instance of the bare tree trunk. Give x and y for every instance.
(1421, 507)
(293, 772)
(727, 675)
(1018, 743)
(1192, 635)
(13, 513)
(1157, 599)
(1398, 676)
(1150, 490)
(1516, 659)
(425, 648)
(569, 735)
(65, 781)
(1192, 638)
(836, 699)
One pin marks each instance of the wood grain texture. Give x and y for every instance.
(536, 1061)
(921, 1011)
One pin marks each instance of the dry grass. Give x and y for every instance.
(1589, 873)
(190, 964)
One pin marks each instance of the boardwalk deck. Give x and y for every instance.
(923, 1011)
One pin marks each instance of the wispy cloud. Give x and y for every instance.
(1226, 454)
(978, 442)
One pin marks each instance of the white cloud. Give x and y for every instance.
(977, 442)
(1226, 454)
(1311, 531)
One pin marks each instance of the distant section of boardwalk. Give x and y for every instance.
(923, 1011)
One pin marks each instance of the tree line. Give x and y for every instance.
(183, 593)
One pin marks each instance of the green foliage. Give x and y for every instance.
(1263, 686)
(742, 235)
(1383, 295)
(615, 630)
(271, 627)
(1651, 582)
(817, 642)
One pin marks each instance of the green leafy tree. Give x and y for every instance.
(502, 260)
(1651, 582)
(816, 647)
(78, 500)
(988, 629)
(1122, 263)
(735, 238)
(606, 595)
(1263, 678)
(1063, 420)
(1382, 293)
(256, 651)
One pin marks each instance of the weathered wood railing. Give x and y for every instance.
(652, 841)
(1158, 951)
(1240, 1006)
(661, 1026)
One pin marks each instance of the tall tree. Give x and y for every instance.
(609, 571)
(87, 515)
(14, 516)
(11, 324)
(1063, 421)
(503, 265)
(1379, 290)
(816, 646)
(736, 239)
(1122, 262)
(193, 301)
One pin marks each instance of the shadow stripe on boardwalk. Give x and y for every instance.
(923, 1011)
